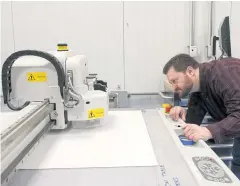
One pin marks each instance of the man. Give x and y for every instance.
(214, 88)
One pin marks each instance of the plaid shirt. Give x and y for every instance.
(219, 95)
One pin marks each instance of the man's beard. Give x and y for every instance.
(188, 88)
(186, 91)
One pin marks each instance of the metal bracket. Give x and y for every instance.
(70, 74)
(53, 115)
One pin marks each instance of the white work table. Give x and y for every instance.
(121, 151)
(7, 118)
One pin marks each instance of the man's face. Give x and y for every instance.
(181, 82)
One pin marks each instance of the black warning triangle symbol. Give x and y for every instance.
(91, 115)
(31, 78)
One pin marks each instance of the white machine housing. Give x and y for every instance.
(93, 104)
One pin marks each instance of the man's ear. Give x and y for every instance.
(190, 71)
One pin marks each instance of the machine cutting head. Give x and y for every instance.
(58, 76)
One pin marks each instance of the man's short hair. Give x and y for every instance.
(180, 63)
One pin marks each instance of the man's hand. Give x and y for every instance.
(177, 112)
(195, 132)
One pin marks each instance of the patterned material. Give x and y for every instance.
(211, 170)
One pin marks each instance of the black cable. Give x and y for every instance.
(6, 73)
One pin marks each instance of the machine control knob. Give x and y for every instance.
(102, 82)
(93, 74)
(101, 87)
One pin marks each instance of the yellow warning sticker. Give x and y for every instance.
(96, 113)
(37, 76)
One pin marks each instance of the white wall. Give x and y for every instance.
(154, 31)
(7, 43)
(235, 29)
(93, 29)
(1, 52)
(201, 29)
(126, 43)
(220, 10)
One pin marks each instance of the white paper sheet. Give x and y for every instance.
(8, 118)
(122, 140)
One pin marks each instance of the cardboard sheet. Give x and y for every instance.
(122, 140)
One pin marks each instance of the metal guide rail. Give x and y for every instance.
(18, 138)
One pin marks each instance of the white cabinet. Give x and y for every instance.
(153, 33)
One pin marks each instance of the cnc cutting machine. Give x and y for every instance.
(62, 132)
(60, 77)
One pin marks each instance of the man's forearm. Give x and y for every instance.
(228, 127)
